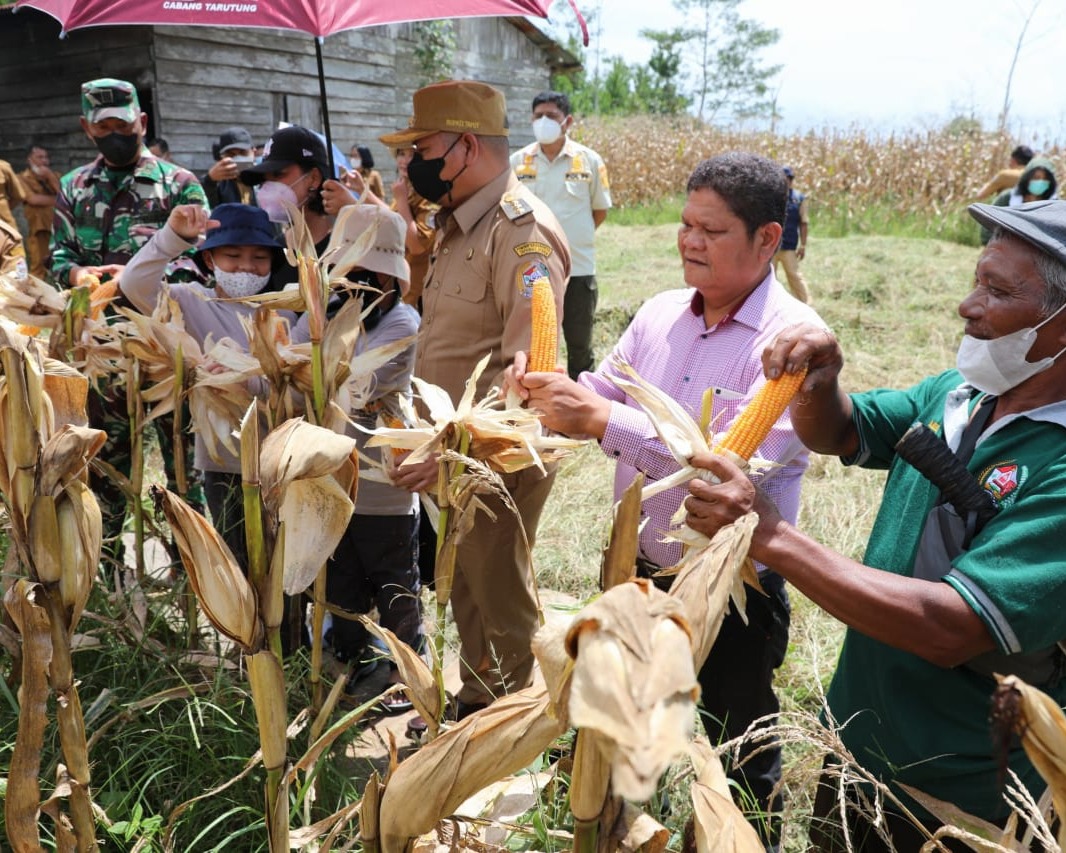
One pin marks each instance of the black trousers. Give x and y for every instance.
(736, 684)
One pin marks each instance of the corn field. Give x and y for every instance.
(912, 173)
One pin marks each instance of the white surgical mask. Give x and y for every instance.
(546, 130)
(240, 284)
(271, 197)
(997, 365)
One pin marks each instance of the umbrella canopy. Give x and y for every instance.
(319, 18)
(315, 17)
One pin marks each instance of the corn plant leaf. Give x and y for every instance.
(66, 454)
(419, 685)
(68, 390)
(708, 577)
(620, 556)
(226, 597)
(983, 835)
(634, 682)
(638, 830)
(495, 742)
(320, 509)
(719, 825)
(297, 450)
(556, 665)
(80, 527)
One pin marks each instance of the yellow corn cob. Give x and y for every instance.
(100, 295)
(749, 430)
(544, 343)
(394, 422)
(29, 331)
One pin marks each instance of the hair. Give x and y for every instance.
(33, 146)
(1051, 268)
(1022, 154)
(160, 143)
(550, 97)
(753, 187)
(1053, 184)
(366, 159)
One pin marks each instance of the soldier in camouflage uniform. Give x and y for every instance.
(106, 210)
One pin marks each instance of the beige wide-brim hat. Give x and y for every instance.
(386, 256)
(454, 106)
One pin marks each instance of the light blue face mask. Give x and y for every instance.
(1039, 186)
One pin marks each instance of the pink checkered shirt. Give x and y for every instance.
(670, 346)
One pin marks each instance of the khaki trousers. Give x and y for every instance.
(796, 284)
(492, 598)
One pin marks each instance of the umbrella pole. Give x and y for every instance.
(325, 108)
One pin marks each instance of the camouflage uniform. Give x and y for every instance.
(103, 216)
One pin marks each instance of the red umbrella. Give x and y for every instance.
(319, 18)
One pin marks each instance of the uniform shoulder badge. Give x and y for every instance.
(514, 206)
(1002, 481)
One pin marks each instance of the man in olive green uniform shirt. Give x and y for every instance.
(495, 239)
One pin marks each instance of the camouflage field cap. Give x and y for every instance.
(109, 98)
(454, 106)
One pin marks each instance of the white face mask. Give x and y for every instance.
(240, 284)
(271, 196)
(997, 365)
(546, 130)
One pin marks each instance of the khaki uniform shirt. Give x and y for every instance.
(38, 217)
(11, 193)
(573, 185)
(425, 216)
(489, 251)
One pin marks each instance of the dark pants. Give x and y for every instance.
(376, 563)
(579, 312)
(107, 411)
(225, 500)
(737, 688)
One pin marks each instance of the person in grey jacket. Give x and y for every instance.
(239, 255)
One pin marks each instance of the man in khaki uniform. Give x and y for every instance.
(41, 186)
(495, 238)
(12, 194)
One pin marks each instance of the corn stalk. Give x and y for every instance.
(56, 532)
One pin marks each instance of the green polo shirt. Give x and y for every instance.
(908, 720)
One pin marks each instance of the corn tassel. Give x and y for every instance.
(544, 340)
(750, 429)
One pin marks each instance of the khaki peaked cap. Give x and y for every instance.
(454, 106)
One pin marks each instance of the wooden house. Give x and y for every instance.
(194, 82)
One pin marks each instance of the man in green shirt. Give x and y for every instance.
(929, 623)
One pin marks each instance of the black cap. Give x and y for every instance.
(234, 137)
(286, 146)
(1041, 223)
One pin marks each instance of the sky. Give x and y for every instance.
(885, 64)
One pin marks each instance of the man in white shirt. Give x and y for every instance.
(572, 180)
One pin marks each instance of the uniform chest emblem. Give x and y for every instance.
(1003, 480)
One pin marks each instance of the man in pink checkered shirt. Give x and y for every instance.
(709, 335)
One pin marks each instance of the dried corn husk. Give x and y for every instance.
(1041, 724)
(620, 555)
(720, 825)
(506, 439)
(419, 684)
(709, 575)
(634, 682)
(308, 477)
(223, 591)
(495, 742)
(556, 666)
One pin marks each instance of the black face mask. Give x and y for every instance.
(424, 175)
(119, 149)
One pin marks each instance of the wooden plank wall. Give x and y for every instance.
(199, 81)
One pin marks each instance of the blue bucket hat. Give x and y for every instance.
(1039, 223)
(240, 225)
